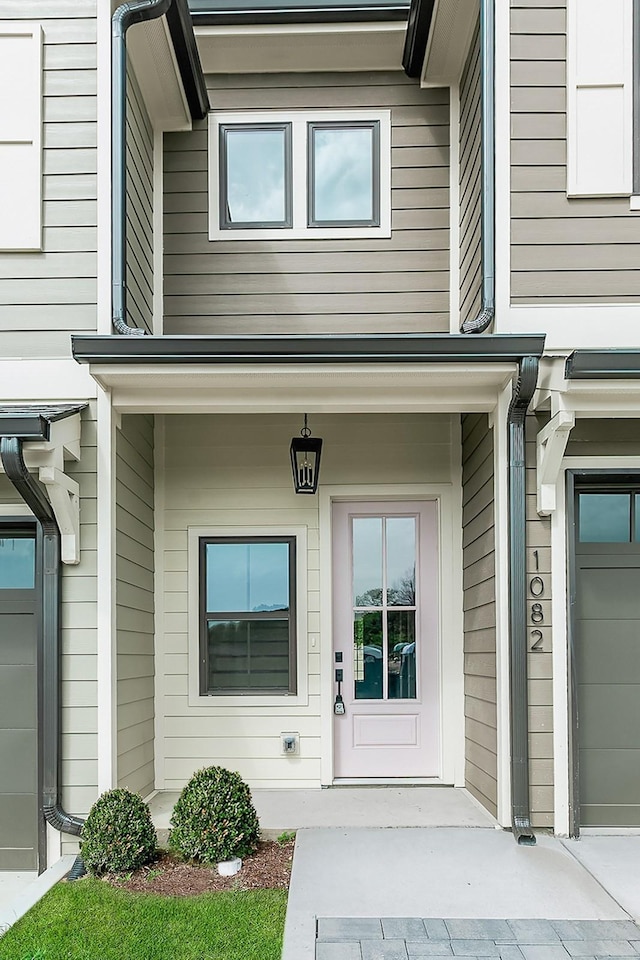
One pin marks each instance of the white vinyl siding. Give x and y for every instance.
(599, 97)
(46, 295)
(478, 524)
(21, 136)
(135, 603)
(79, 650)
(234, 472)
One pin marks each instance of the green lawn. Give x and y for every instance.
(90, 920)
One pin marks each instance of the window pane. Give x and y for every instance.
(17, 563)
(342, 164)
(248, 655)
(247, 577)
(401, 638)
(401, 561)
(367, 561)
(605, 517)
(256, 167)
(368, 655)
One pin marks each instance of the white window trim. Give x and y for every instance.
(299, 121)
(248, 700)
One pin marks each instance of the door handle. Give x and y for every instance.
(338, 703)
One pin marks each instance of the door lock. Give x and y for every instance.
(338, 703)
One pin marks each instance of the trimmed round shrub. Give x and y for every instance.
(214, 818)
(118, 834)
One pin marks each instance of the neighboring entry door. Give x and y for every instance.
(607, 654)
(385, 639)
(18, 702)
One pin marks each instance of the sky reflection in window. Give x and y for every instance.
(343, 174)
(255, 162)
(247, 577)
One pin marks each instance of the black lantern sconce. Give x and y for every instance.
(305, 460)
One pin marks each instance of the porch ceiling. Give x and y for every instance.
(330, 388)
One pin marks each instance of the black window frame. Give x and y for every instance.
(205, 615)
(374, 126)
(223, 205)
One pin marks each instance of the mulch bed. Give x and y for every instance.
(268, 867)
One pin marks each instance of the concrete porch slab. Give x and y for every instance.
(376, 806)
(613, 860)
(434, 872)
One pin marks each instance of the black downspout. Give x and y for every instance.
(125, 16)
(488, 190)
(33, 495)
(522, 394)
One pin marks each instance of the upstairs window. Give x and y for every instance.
(299, 175)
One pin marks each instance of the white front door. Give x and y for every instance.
(385, 639)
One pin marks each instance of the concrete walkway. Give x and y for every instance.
(417, 874)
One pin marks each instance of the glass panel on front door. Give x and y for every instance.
(384, 608)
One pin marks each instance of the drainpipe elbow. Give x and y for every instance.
(125, 330)
(480, 323)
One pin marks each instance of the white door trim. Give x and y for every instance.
(451, 658)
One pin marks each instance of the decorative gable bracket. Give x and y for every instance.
(48, 458)
(551, 445)
(64, 494)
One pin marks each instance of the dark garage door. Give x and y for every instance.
(608, 657)
(18, 702)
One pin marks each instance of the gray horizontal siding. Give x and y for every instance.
(135, 603)
(64, 275)
(470, 187)
(479, 592)
(315, 286)
(563, 250)
(139, 209)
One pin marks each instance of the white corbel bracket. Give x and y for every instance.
(64, 495)
(551, 444)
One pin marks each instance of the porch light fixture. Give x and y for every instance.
(305, 460)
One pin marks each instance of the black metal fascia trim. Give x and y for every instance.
(409, 348)
(34, 496)
(415, 44)
(603, 365)
(186, 50)
(32, 427)
(520, 804)
(349, 13)
(33, 422)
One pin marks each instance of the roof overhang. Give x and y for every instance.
(591, 383)
(301, 47)
(439, 33)
(166, 63)
(375, 374)
(603, 365)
